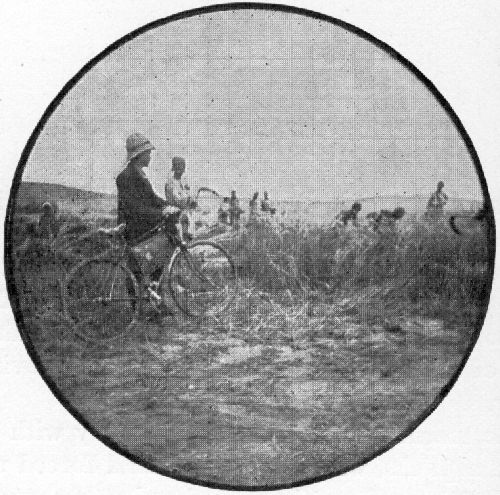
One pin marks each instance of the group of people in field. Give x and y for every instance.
(376, 220)
(389, 218)
(140, 209)
(230, 211)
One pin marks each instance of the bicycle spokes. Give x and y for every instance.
(101, 299)
(202, 279)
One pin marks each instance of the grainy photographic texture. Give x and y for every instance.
(250, 248)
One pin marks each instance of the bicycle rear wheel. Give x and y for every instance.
(202, 279)
(101, 299)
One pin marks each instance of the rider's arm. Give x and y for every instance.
(155, 200)
(139, 198)
(141, 209)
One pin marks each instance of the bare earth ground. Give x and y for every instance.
(288, 385)
(310, 391)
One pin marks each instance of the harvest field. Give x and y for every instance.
(338, 341)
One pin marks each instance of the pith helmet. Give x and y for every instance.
(137, 144)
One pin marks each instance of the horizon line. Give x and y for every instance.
(340, 199)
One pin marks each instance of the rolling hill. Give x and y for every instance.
(31, 196)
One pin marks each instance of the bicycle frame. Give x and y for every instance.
(124, 248)
(176, 239)
(139, 285)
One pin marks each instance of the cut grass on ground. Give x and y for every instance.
(273, 400)
(339, 340)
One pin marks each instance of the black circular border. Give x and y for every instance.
(8, 255)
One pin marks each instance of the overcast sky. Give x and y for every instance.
(257, 100)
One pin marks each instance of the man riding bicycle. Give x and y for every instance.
(150, 261)
(139, 207)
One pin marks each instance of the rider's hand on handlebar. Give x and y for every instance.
(170, 210)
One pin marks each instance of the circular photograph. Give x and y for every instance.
(249, 247)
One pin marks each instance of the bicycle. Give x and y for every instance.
(101, 296)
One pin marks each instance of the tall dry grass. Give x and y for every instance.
(417, 262)
(422, 261)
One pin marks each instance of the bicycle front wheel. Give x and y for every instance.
(202, 279)
(100, 299)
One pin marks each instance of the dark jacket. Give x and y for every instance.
(138, 205)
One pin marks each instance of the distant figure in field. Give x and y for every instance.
(253, 203)
(234, 211)
(265, 205)
(437, 202)
(350, 215)
(253, 208)
(47, 225)
(223, 213)
(35, 237)
(39, 235)
(385, 218)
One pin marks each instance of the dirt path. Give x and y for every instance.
(260, 409)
